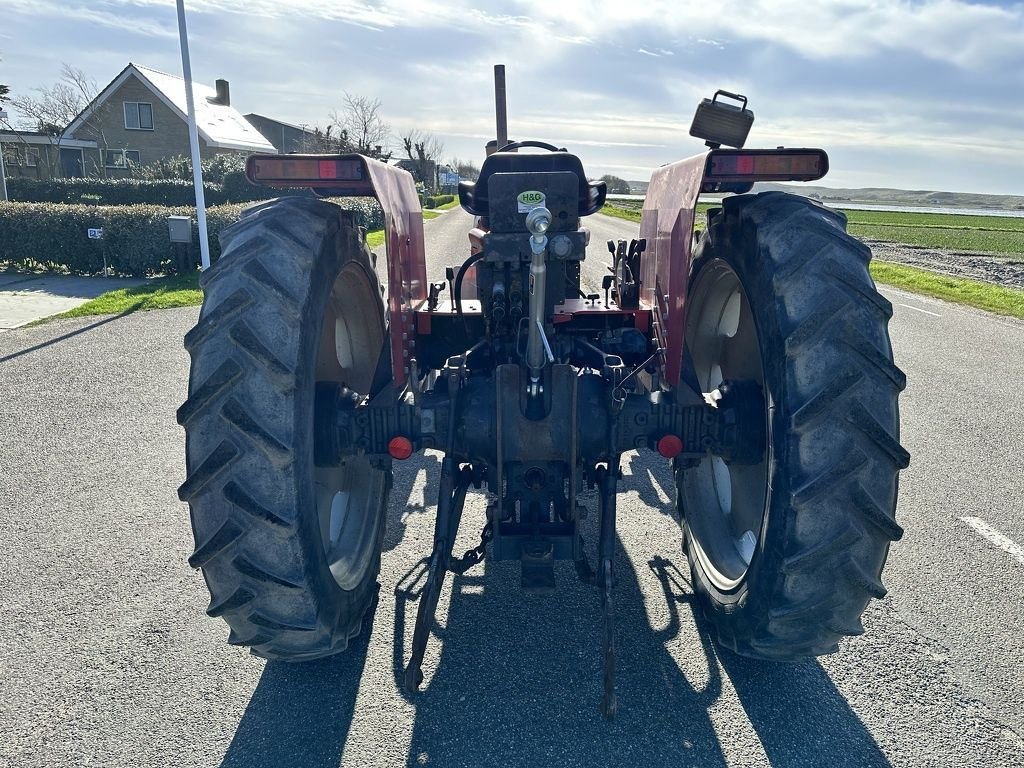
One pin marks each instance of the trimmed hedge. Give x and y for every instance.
(435, 201)
(135, 237)
(235, 189)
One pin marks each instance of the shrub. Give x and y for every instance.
(111, 191)
(168, 192)
(435, 201)
(180, 167)
(135, 238)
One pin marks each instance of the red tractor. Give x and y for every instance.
(754, 357)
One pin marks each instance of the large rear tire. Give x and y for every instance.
(290, 551)
(787, 551)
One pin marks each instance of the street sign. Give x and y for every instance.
(95, 234)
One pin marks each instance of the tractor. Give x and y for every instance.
(752, 354)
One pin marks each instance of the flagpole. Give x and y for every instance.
(193, 137)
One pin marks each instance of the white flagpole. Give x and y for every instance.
(193, 135)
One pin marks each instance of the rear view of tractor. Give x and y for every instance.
(755, 358)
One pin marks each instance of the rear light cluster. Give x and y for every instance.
(745, 165)
(305, 171)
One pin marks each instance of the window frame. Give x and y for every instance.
(125, 164)
(137, 105)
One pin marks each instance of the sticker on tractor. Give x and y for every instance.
(530, 200)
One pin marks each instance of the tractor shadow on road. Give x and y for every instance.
(300, 714)
(518, 683)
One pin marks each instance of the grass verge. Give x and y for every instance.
(157, 293)
(184, 291)
(973, 293)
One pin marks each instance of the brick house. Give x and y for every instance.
(141, 116)
(35, 155)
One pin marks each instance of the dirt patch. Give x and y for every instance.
(999, 269)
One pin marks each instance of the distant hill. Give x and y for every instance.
(884, 196)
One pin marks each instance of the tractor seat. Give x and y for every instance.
(473, 196)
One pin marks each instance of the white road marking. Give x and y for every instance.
(933, 314)
(1008, 546)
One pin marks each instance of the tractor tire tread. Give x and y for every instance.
(265, 578)
(830, 526)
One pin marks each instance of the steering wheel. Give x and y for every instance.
(539, 144)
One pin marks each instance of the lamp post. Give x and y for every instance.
(193, 134)
(3, 172)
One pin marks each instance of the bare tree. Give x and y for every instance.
(467, 170)
(360, 121)
(325, 140)
(422, 150)
(52, 109)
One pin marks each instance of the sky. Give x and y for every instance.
(912, 94)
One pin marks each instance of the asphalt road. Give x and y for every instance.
(107, 659)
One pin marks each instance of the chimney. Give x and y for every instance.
(223, 93)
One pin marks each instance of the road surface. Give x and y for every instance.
(107, 659)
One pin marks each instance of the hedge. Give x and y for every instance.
(435, 201)
(135, 237)
(235, 189)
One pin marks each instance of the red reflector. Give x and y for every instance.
(328, 169)
(400, 448)
(670, 446)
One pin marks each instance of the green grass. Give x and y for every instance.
(955, 232)
(1001, 234)
(156, 293)
(991, 234)
(427, 215)
(992, 298)
(167, 292)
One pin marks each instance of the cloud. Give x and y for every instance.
(894, 79)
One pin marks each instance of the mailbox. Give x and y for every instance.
(180, 228)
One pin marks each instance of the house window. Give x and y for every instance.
(31, 158)
(121, 158)
(12, 156)
(138, 116)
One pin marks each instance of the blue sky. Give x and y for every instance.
(922, 94)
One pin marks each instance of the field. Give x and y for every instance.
(991, 234)
(955, 232)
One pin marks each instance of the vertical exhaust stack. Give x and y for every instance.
(500, 108)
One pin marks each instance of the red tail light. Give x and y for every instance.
(748, 165)
(343, 173)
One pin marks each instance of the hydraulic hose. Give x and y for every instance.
(457, 287)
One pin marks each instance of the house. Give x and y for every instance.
(138, 118)
(36, 155)
(284, 136)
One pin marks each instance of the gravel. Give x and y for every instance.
(998, 269)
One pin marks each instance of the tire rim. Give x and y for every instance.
(724, 504)
(348, 496)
